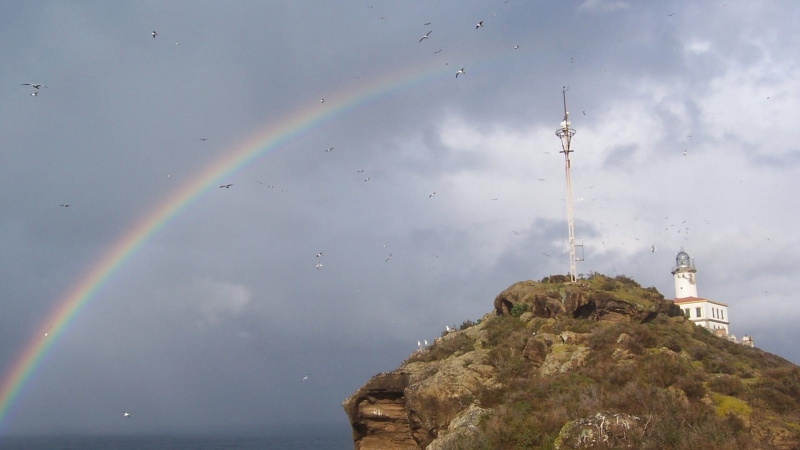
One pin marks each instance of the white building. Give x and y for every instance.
(707, 313)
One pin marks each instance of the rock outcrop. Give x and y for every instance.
(602, 363)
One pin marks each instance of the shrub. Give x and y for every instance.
(726, 385)
(518, 310)
(467, 323)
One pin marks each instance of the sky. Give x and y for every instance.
(685, 138)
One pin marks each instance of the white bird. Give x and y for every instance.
(426, 36)
(319, 265)
(516, 47)
(319, 254)
(447, 327)
(329, 149)
(431, 194)
(390, 257)
(322, 100)
(419, 344)
(460, 71)
(34, 94)
(684, 153)
(154, 34)
(426, 342)
(479, 25)
(653, 249)
(34, 85)
(305, 378)
(125, 414)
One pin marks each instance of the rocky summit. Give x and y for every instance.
(598, 364)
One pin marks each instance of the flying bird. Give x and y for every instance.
(322, 100)
(516, 47)
(319, 254)
(305, 378)
(202, 139)
(426, 36)
(65, 205)
(431, 194)
(479, 25)
(34, 85)
(329, 149)
(125, 414)
(319, 266)
(426, 24)
(390, 257)
(652, 249)
(460, 71)
(434, 254)
(154, 34)
(226, 186)
(368, 178)
(437, 51)
(515, 232)
(34, 94)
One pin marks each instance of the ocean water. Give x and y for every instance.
(294, 439)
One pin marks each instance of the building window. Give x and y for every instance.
(688, 312)
(722, 314)
(697, 310)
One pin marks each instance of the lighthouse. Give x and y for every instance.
(707, 313)
(684, 276)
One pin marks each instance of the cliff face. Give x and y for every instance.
(598, 364)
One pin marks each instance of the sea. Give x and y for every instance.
(294, 438)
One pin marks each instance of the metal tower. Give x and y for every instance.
(565, 133)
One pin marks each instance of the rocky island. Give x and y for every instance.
(598, 364)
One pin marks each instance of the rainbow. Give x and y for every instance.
(234, 160)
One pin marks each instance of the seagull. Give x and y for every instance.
(387, 260)
(426, 342)
(360, 171)
(368, 178)
(305, 378)
(46, 333)
(126, 413)
(515, 232)
(319, 254)
(34, 94)
(426, 24)
(584, 113)
(154, 34)
(329, 149)
(516, 47)
(479, 25)
(652, 249)
(431, 194)
(322, 100)
(65, 205)
(34, 85)
(494, 199)
(434, 254)
(684, 153)
(426, 36)
(447, 327)
(226, 186)
(202, 139)
(437, 51)
(545, 254)
(460, 71)
(541, 179)
(319, 265)
(419, 344)
(670, 15)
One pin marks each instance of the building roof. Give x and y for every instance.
(681, 301)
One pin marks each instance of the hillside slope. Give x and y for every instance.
(602, 363)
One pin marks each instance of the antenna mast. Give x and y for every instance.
(565, 133)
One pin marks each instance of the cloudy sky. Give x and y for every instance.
(685, 137)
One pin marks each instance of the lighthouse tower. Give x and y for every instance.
(683, 275)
